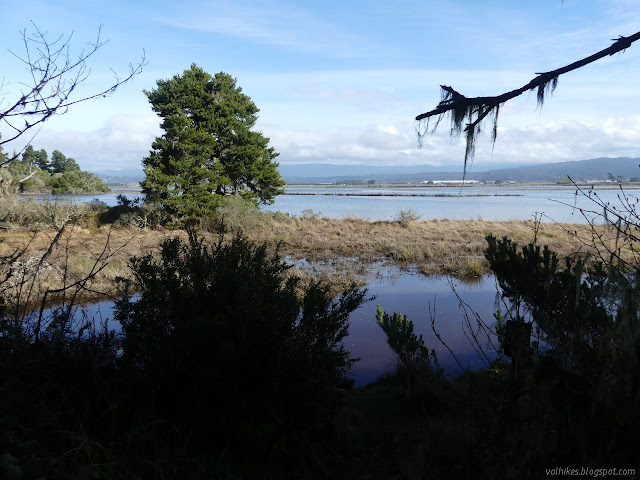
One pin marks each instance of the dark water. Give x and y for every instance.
(403, 292)
(412, 294)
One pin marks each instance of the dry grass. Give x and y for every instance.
(339, 250)
(75, 254)
(434, 246)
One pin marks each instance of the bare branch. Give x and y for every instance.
(54, 77)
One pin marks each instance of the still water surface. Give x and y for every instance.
(559, 204)
(411, 295)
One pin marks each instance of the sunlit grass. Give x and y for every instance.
(341, 248)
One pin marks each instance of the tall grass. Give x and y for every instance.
(27, 212)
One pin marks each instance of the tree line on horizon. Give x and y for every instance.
(34, 172)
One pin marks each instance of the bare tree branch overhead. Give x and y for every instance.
(54, 75)
(472, 111)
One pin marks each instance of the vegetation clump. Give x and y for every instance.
(222, 350)
(34, 173)
(224, 326)
(405, 217)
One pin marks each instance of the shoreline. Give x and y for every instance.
(334, 250)
(446, 195)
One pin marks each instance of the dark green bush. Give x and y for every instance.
(227, 347)
(567, 303)
(134, 213)
(586, 368)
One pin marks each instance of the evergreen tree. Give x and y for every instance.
(60, 163)
(29, 155)
(71, 164)
(58, 160)
(209, 149)
(41, 159)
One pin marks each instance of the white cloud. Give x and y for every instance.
(388, 144)
(120, 143)
(569, 140)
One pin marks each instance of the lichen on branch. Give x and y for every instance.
(468, 114)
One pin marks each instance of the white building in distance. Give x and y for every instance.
(450, 182)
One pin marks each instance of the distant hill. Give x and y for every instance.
(581, 170)
(120, 177)
(313, 170)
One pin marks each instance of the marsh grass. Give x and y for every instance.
(433, 246)
(18, 212)
(70, 259)
(337, 249)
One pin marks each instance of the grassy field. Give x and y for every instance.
(340, 250)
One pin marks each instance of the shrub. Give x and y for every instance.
(405, 217)
(17, 211)
(222, 338)
(234, 214)
(584, 318)
(308, 213)
(56, 213)
(568, 305)
(134, 213)
(27, 212)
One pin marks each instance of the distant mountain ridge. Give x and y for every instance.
(579, 170)
(338, 170)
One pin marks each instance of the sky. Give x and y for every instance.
(341, 82)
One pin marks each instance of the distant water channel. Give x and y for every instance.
(410, 294)
(556, 203)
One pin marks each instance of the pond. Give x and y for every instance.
(410, 294)
(413, 295)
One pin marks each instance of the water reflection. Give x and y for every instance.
(396, 291)
(411, 295)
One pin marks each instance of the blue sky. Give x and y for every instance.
(341, 82)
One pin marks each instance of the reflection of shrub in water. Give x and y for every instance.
(419, 362)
